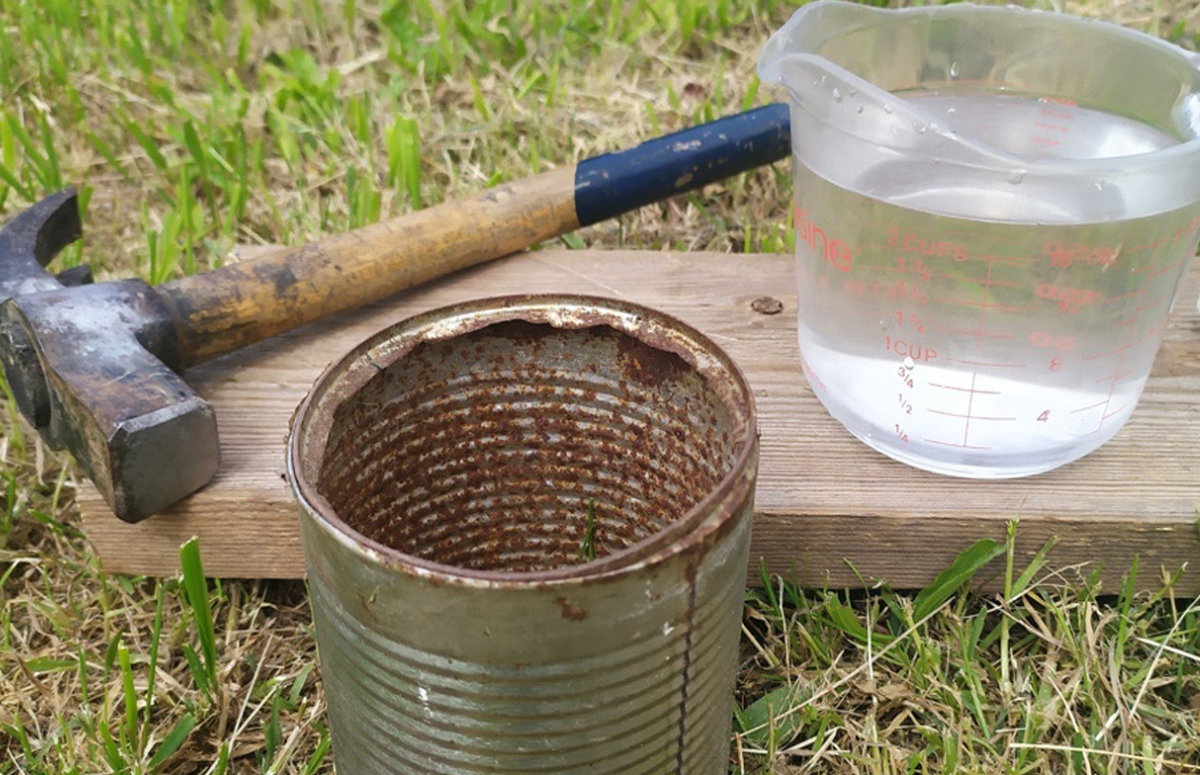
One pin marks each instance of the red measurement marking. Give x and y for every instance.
(965, 390)
(835, 252)
(1140, 308)
(1113, 413)
(1154, 270)
(1115, 350)
(975, 281)
(1065, 256)
(919, 353)
(913, 321)
(1122, 297)
(970, 401)
(922, 245)
(968, 416)
(987, 289)
(954, 444)
(1046, 339)
(982, 305)
(1165, 269)
(1116, 376)
(1153, 245)
(988, 364)
(1011, 260)
(1096, 405)
(812, 374)
(983, 334)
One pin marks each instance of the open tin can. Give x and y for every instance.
(453, 472)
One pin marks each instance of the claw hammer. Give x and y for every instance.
(95, 368)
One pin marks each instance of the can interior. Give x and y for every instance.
(485, 451)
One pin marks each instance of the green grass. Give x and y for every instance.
(192, 127)
(587, 545)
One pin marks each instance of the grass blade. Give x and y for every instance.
(962, 570)
(173, 740)
(155, 638)
(196, 586)
(318, 755)
(758, 721)
(51, 665)
(130, 696)
(112, 754)
(199, 673)
(587, 546)
(12, 180)
(1035, 565)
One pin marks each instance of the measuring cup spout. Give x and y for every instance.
(990, 99)
(837, 111)
(808, 29)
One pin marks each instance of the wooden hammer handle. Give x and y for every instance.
(240, 304)
(234, 306)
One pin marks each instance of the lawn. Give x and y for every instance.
(192, 127)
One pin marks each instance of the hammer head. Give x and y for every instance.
(93, 369)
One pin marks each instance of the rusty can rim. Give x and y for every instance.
(565, 311)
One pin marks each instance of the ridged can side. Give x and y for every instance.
(625, 665)
(596, 678)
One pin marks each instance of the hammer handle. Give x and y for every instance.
(237, 305)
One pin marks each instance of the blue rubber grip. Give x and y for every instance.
(616, 183)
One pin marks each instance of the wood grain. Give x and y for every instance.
(825, 501)
(220, 311)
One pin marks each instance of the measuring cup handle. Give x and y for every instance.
(1194, 58)
(1191, 56)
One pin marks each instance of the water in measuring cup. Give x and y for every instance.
(1040, 128)
(979, 330)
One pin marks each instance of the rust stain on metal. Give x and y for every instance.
(543, 420)
(479, 447)
(649, 365)
(570, 610)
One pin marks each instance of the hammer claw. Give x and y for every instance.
(32, 239)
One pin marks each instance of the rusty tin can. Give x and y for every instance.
(447, 472)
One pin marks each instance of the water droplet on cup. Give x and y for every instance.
(887, 108)
(837, 94)
(851, 90)
(951, 111)
(919, 127)
(1016, 176)
(1100, 184)
(908, 364)
(954, 69)
(859, 109)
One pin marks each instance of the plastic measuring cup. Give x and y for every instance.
(993, 210)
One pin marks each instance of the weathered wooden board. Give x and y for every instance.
(825, 501)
